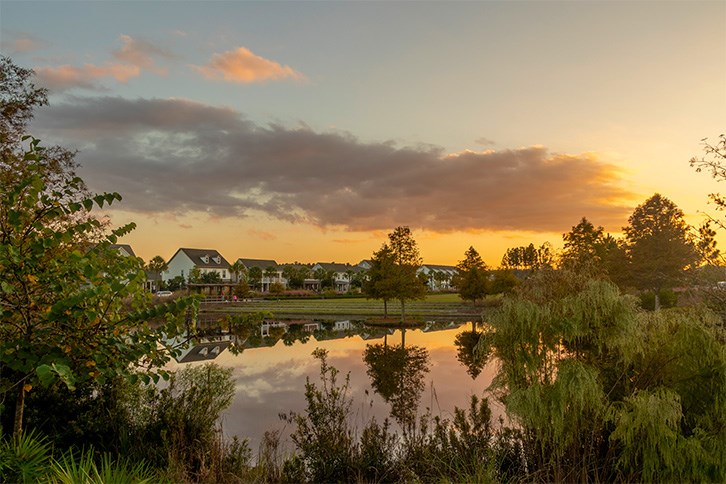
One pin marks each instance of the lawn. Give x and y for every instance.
(435, 306)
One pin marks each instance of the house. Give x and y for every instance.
(124, 249)
(206, 260)
(342, 274)
(271, 273)
(439, 277)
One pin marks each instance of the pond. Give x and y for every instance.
(393, 373)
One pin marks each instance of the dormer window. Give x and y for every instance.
(205, 259)
(217, 259)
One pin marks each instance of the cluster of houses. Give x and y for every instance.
(186, 261)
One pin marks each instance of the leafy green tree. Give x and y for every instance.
(660, 246)
(71, 307)
(503, 281)
(528, 257)
(155, 267)
(238, 270)
(254, 277)
(380, 284)
(473, 277)
(295, 275)
(588, 248)
(406, 262)
(210, 277)
(270, 273)
(466, 343)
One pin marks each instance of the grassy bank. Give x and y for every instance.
(434, 307)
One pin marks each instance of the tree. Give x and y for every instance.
(473, 277)
(155, 267)
(295, 275)
(406, 262)
(587, 248)
(254, 277)
(72, 309)
(237, 269)
(18, 98)
(528, 257)
(380, 284)
(659, 245)
(601, 390)
(714, 161)
(270, 274)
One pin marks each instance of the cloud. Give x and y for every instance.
(139, 53)
(262, 235)
(22, 43)
(485, 141)
(66, 77)
(178, 156)
(241, 65)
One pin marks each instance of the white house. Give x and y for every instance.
(342, 274)
(271, 272)
(439, 276)
(206, 260)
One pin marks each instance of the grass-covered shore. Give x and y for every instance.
(433, 307)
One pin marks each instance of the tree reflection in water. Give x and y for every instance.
(397, 375)
(470, 353)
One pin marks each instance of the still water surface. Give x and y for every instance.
(432, 368)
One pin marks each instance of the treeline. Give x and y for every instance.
(595, 388)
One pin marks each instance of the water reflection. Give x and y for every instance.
(397, 374)
(271, 360)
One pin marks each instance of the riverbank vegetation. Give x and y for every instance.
(595, 387)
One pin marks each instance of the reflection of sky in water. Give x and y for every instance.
(271, 380)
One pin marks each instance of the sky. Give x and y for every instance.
(307, 131)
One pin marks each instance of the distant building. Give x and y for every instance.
(342, 274)
(124, 249)
(439, 277)
(265, 265)
(206, 260)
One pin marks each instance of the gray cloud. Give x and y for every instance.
(178, 156)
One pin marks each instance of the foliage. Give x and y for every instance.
(397, 374)
(528, 257)
(473, 277)
(24, 458)
(323, 435)
(380, 284)
(18, 98)
(602, 390)
(466, 344)
(503, 281)
(588, 249)
(659, 245)
(51, 329)
(254, 277)
(295, 275)
(714, 161)
(393, 272)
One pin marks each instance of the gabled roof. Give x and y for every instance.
(261, 263)
(205, 258)
(435, 267)
(124, 248)
(335, 267)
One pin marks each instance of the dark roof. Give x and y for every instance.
(335, 267)
(125, 247)
(435, 267)
(261, 263)
(205, 351)
(206, 258)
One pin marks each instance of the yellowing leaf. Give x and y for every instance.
(27, 387)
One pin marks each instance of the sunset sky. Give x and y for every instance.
(307, 131)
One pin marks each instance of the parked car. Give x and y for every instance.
(163, 293)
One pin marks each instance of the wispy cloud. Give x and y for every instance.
(22, 42)
(66, 77)
(140, 53)
(180, 156)
(241, 65)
